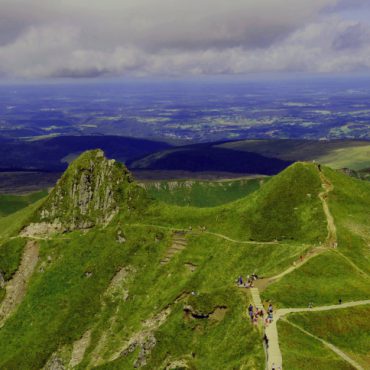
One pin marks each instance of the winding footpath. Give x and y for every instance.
(331, 239)
(222, 236)
(274, 357)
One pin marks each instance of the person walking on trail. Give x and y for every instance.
(250, 308)
(340, 301)
(240, 280)
(266, 341)
(270, 309)
(270, 317)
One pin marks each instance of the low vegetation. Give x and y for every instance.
(13, 203)
(107, 285)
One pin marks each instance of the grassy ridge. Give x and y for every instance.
(202, 193)
(13, 203)
(71, 290)
(335, 153)
(286, 207)
(344, 273)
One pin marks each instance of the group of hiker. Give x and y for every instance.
(255, 313)
(248, 282)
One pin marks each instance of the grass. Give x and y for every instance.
(10, 257)
(349, 203)
(13, 203)
(70, 291)
(328, 277)
(323, 280)
(356, 158)
(202, 193)
(346, 329)
(12, 224)
(286, 207)
(300, 351)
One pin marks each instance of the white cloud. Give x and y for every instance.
(83, 38)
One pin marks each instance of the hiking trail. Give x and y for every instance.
(222, 236)
(330, 242)
(16, 287)
(274, 353)
(331, 239)
(274, 357)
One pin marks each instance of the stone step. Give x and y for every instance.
(178, 247)
(180, 241)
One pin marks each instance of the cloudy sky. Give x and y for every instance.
(99, 38)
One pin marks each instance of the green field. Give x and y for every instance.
(346, 329)
(108, 284)
(202, 193)
(13, 203)
(302, 352)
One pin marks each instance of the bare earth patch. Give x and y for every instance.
(79, 348)
(16, 287)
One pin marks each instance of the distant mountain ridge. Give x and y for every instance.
(53, 154)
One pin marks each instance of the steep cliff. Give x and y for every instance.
(90, 193)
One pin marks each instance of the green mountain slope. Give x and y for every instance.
(136, 283)
(202, 193)
(13, 203)
(287, 207)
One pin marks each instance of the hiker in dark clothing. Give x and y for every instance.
(270, 309)
(250, 308)
(340, 301)
(266, 340)
(240, 280)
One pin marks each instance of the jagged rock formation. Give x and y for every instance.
(88, 194)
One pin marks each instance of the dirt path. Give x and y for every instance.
(274, 357)
(274, 353)
(329, 345)
(330, 242)
(16, 287)
(331, 239)
(203, 232)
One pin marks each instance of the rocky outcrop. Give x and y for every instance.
(54, 363)
(90, 193)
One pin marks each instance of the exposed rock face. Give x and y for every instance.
(54, 363)
(89, 194)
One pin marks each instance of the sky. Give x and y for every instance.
(74, 39)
